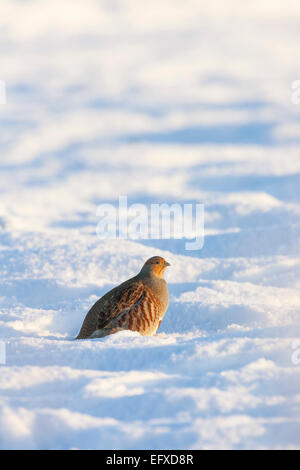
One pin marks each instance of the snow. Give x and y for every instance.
(174, 102)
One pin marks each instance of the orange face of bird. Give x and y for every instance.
(157, 265)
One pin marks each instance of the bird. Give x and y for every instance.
(138, 304)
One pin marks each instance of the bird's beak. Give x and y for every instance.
(167, 264)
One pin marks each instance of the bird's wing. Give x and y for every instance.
(120, 299)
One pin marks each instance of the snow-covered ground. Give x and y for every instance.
(162, 101)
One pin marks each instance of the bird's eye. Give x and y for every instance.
(157, 262)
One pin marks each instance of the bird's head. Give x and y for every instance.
(155, 266)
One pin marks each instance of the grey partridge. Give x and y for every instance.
(138, 304)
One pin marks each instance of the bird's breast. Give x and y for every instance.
(159, 289)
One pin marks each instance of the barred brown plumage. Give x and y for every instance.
(138, 304)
